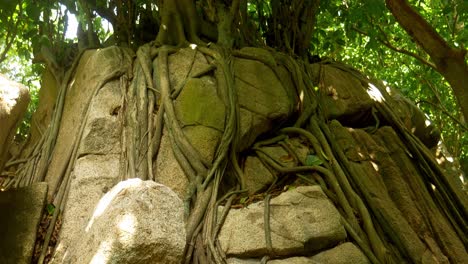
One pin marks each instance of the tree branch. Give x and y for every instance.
(11, 35)
(421, 31)
(441, 109)
(450, 62)
(104, 12)
(399, 50)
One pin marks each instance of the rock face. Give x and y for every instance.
(94, 175)
(344, 96)
(97, 167)
(346, 253)
(42, 116)
(302, 221)
(350, 100)
(401, 194)
(93, 69)
(21, 213)
(263, 100)
(258, 177)
(14, 100)
(201, 107)
(135, 222)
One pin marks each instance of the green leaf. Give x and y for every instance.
(33, 11)
(340, 42)
(30, 33)
(312, 160)
(8, 6)
(447, 10)
(243, 199)
(50, 209)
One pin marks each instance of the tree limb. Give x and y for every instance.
(450, 61)
(444, 111)
(399, 50)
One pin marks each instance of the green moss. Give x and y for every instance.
(198, 104)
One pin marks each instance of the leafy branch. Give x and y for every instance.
(445, 112)
(385, 41)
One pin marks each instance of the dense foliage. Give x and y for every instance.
(363, 34)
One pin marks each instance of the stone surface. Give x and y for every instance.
(205, 140)
(242, 261)
(97, 168)
(398, 192)
(293, 260)
(92, 177)
(135, 222)
(167, 170)
(283, 157)
(415, 120)
(14, 99)
(198, 104)
(102, 132)
(185, 63)
(257, 176)
(346, 253)
(201, 109)
(21, 214)
(301, 220)
(260, 93)
(94, 67)
(344, 95)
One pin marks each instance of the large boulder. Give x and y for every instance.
(263, 100)
(393, 186)
(199, 110)
(350, 97)
(97, 168)
(135, 222)
(200, 105)
(14, 100)
(21, 214)
(343, 95)
(93, 69)
(302, 220)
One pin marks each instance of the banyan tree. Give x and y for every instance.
(219, 106)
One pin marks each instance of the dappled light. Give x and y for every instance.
(375, 166)
(102, 253)
(375, 93)
(127, 226)
(331, 91)
(107, 199)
